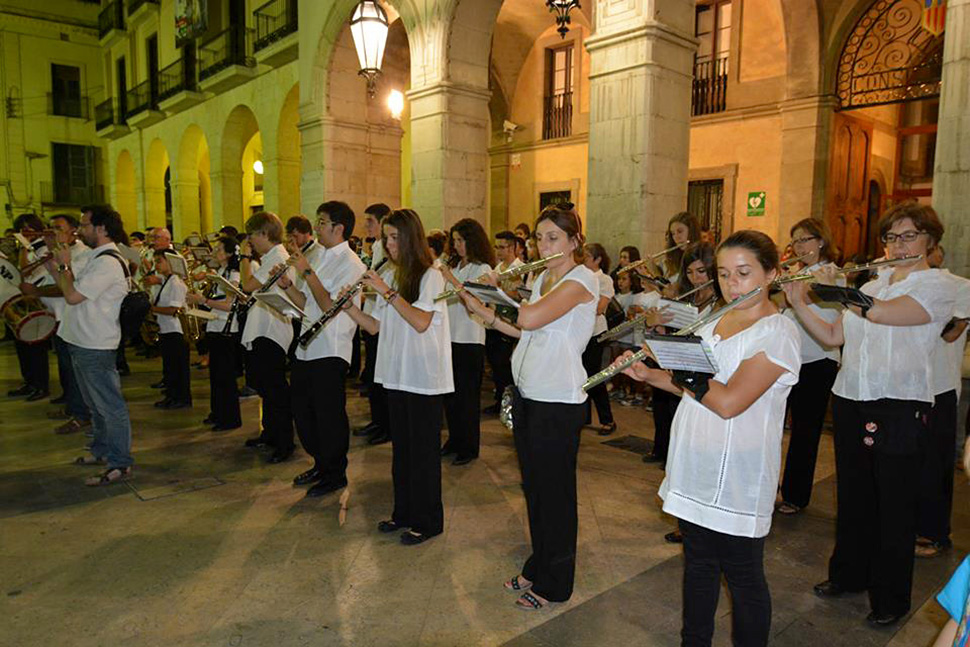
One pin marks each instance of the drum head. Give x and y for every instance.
(9, 281)
(36, 327)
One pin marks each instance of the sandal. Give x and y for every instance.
(88, 460)
(928, 549)
(674, 537)
(110, 476)
(517, 583)
(788, 508)
(606, 430)
(529, 602)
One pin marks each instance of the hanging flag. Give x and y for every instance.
(934, 16)
(191, 20)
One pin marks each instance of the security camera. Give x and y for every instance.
(509, 127)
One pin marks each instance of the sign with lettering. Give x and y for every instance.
(756, 203)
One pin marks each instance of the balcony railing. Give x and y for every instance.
(177, 77)
(105, 114)
(111, 17)
(709, 92)
(557, 116)
(140, 99)
(229, 47)
(61, 106)
(274, 21)
(135, 5)
(64, 194)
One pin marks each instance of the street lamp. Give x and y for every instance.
(368, 26)
(562, 9)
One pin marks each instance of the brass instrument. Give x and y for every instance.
(307, 337)
(510, 273)
(615, 369)
(149, 329)
(849, 270)
(649, 259)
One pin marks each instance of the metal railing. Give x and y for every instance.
(111, 17)
(104, 115)
(64, 194)
(177, 77)
(135, 5)
(229, 47)
(140, 99)
(275, 20)
(557, 116)
(709, 90)
(61, 106)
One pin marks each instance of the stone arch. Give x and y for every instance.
(285, 168)
(124, 189)
(803, 47)
(240, 128)
(191, 190)
(156, 166)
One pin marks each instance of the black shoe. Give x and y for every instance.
(607, 429)
(124, 372)
(158, 385)
(59, 400)
(258, 442)
(163, 404)
(280, 455)
(312, 475)
(674, 537)
(23, 389)
(411, 538)
(463, 460)
(178, 404)
(326, 487)
(247, 392)
(38, 395)
(222, 427)
(650, 458)
(389, 526)
(366, 430)
(379, 439)
(883, 619)
(492, 409)
(447, 451)
(208, 420)
(828, 589)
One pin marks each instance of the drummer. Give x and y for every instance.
(32, 357)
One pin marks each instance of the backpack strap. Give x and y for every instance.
(124, 264)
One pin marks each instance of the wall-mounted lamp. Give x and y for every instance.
(258, 167)
(562, 8)
(395, 103)
(368, 26)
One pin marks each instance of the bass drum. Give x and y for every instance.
(29, 320)
(9, 282)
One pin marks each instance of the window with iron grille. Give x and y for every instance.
(712, 27)
(75, 173)
(704, 201)
(66, 90)
(557, 113)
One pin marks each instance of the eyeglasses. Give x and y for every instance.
(501, 246)
(324, 223)
(905, 237)
(803, 240)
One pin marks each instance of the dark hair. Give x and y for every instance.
(103, 215)
(477, 246)
(522, 225)
(632, 253)
(354, 242)
(300, 224)
(137, 235)
(505, 235)
(674, 257)
(378, 209)
(568, 221)
(636, 286)
(829, 252)
(923, 216)
(229, 230)
(413, 257)
(437, 240)
(231, 246)
(703, 252)
(598, 251)
(267, 223)
(70, 219)
(28, 221)
(340, 214)
(757, 243)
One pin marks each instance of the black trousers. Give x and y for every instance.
(370, 357)
(416, 463)
(593, 363)
(320, 414)
(664, 405)
(707, 555)
(547, 442)
(462, 406)
(223, 390)
(807, 402)
(267, 367)
(33, 364)
(936, 474)
(498, 349)
(878, 455)
(355, 356)
(175, 366)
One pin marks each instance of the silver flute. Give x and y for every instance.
(510, 273)
(849, 270)
(635, 264)
(615, 369)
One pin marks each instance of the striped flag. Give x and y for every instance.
(934, 16)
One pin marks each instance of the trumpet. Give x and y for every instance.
(635, 264)
(335, 308)
(510, 273)
(849, 270)
(615, 369)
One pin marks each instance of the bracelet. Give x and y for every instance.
(864, 311)
(245, 257)
(494, 317)
(389, 296)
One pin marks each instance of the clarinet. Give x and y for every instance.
(244, 307)
(307, 337)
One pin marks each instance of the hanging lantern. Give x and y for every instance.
(562, 9)
(368, 26)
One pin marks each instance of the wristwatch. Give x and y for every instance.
(307, 272)
(63, 267)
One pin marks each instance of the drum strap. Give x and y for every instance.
(161, 289)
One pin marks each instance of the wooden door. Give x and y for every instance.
(848, 193)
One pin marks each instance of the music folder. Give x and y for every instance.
(841, 294)
(490, 294)
(208, 315)
(674, 353)
(227, 287)
(178, 264)
(280, 304)
(684, 314)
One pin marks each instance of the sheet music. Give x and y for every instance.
(684, 313)
(682, 353)
(280, 304)
(201, 314)
(490, 294)
(227, 288)
(178, 264)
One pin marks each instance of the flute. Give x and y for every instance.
(510, 273)
(622, 329)
(796, 259)
(635, 264)
(849, 270)
(695, 290)
(335, 308)
(615, 369)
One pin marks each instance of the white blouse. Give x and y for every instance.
(812, 350)
(722, 474)
(172, 295)
(948, 356)
(605, 284)
(336, 268)
(406, 359)
(218, 324)
(465, 328)
(547, 364)
(261, 320)
(880, 361)
(639, 300)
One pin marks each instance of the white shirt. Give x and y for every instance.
(218, 324)
(812, 350)
(406, 359)
(722, 474)
(642, 300)
(465, 328)
(313, 255)
(336, 268)
(880, 361)
(948, 356)
(261, 320)
(171, 295)
(80, 253)
(547, 364)
(605, 290)
(94, 323)
(376, 256)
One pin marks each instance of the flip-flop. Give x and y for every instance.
(517, 583)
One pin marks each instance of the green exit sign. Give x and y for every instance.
(756, 203)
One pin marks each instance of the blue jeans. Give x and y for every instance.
(73, 402)
(100, 386)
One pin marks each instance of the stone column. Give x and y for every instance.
(311, 150)
(641, 66)
(806, 126)
(282, 191)
(185, 207)
(449, 153)
(227, 203)
(951, 174)
(154, 207)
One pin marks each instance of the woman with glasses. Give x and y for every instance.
(883, 398)
(809, 399)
